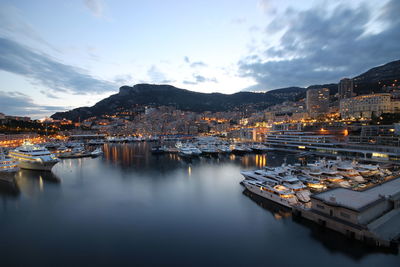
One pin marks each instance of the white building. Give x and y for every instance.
(364, 106)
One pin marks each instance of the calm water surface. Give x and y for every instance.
(130, 207)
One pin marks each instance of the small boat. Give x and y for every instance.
(76, 152)
(209, 150)
(96, 142)
(97, 152)
(241, 150)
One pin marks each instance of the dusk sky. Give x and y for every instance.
(58, 55)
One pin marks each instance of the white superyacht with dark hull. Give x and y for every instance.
(34, 157)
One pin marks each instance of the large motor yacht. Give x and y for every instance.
(34, 157)
(278, 193)
(7, 165)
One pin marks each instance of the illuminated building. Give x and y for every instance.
(345, 88)
(365, 106)
(317, 102)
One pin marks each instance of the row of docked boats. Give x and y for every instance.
(128, 139)
(197, 148)
(36, 157)
(291, 185)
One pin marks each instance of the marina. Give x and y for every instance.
(136, 194)
(219, 133)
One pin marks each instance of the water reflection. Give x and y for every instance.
(33, 182)
(8, 185)
(114, 207)
(278, 211)
(335, 242)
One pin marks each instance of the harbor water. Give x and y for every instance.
(129, 207)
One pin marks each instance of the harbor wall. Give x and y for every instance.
(350, 230)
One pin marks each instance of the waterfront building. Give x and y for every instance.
(317, 102)
(365, 106)
(372, 215)
(345, 88)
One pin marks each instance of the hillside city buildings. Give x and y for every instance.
(317, 102)
(345, 88)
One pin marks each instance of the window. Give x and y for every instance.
(320, 207)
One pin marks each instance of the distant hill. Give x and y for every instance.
(141, 95)
(374, 79)
(166, 95)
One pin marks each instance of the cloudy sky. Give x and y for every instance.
(57, 55)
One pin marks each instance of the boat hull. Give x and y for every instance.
(39, 166)
(239, 152)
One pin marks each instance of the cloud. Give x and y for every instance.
(16, 103)
(195, 64)
(200, 79)
(123, 79)
(41, 68)
(155, 75)
(319, 45)
(266, 6)
(14, 26)
(198, 64)
(49, 95)
(95, 6)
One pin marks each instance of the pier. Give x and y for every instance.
(372, 215)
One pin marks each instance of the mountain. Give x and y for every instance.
(374, 79)
(130, 98)
(140, 95)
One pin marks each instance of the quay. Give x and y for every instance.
(371, 216)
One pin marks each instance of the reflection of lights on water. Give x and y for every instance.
(232, 157)
(261, 160)
(189, 170)
(277, 216)
(40, 183)
(245, 161)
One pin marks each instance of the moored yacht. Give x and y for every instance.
(7, 165)
(241, 149)
(97, 152)
(34, 157)
(278, 193)
(209, 150)
(260, 148)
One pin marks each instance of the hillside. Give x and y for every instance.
(140, 95)
(166, 95)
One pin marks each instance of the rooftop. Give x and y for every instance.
(359, 200)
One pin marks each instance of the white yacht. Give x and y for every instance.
(97, 152)
(186, 152)
(224, 149)
(279, 176)
(349, 172)
(7, 165)
(210, 150)
(34, 157)
(278, 193)
(260, 148)
(241, 149)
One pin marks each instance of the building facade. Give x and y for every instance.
(345, 88)
(317, 102)
(365, 106)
